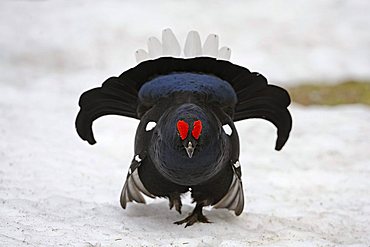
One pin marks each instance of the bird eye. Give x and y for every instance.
(197, 129)
(150, 125)
(183, 129)
(227, 129)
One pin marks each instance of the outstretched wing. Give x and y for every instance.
(234, 198)
(134, 188)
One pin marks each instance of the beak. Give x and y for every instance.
(190, 149)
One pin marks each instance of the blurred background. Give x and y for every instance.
(52, 184)
(291, 42)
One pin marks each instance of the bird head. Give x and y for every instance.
(192, 130)
(188, 149)
(189, 132)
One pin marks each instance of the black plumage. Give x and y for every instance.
(180, 143)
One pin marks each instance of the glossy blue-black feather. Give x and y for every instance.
(209, 87)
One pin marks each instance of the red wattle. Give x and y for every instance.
(183, 129)
(197, 129)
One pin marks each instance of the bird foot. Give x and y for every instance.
(175, 200)
(194, 217)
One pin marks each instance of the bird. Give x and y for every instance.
(186, 140)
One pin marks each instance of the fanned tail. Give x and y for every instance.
(268, 102)
(114, 97)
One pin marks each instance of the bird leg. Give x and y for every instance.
(195, 216)
(175, 200)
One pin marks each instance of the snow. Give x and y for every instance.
(56, 190)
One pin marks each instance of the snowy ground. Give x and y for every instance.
(57, 190)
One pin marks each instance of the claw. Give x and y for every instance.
(191, 219)
(194, 217)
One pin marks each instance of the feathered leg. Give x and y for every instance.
(175, 200)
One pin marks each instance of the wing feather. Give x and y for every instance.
(133, 189)
(234, 198)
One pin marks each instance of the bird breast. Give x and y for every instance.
(175, 164)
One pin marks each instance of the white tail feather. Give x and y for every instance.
(224, 53)
(141, 55)
(192, 48)
(210, 47)
(169, 43)
(154, 47)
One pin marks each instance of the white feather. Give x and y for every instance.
(224, 53)
(193, 46)
(210, 47)
(141, 55)
(137, 158)
(227, 129)
(154, 47)
(150, 125)
(236, 164)
(170, 44)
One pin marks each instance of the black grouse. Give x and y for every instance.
(186, 139)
